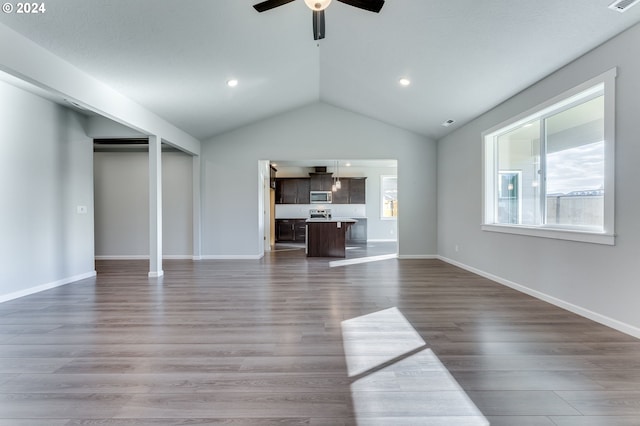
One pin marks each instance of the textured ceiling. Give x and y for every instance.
(462, 56)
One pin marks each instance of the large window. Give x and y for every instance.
(550, 171)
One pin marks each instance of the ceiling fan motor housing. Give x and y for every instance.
(317, 4)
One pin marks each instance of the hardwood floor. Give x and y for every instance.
(288, 340)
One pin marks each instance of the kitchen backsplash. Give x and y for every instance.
(301, 211)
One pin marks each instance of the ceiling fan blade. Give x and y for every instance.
(270, 4)
(370, 5)
(318, 24)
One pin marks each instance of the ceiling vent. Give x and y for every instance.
(623, 5)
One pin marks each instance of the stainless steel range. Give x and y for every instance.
(319, 213)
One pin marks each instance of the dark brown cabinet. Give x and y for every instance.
(327, 239)
(284, 230)
(294, 230)
(341, 196)
(352, 191)
(357, 190)
(300, 230)
(296, 190)
(320, 181)
(291, 230)
(292, 191)
(272, 177)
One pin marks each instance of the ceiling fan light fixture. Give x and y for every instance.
(317, 5)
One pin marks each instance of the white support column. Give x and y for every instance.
(155, 207)
(197, 246)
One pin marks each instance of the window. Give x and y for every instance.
(389, 197)
(549, 172)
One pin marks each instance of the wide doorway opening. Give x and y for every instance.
(365, 191)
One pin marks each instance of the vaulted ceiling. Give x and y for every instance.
(462, 56)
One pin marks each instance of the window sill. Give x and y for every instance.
(558, 234)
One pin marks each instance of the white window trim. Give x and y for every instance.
(382, 217)
(607, 236)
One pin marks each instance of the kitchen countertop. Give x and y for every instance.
(333, 219)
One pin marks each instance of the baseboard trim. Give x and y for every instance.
(43, 287)
(417, 256)
(232, 257)
(145, 257)
(594, 316)
(123, 257)
(186, 257)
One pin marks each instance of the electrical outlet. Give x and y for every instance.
(81, 209)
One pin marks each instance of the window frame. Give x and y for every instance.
(556, 105)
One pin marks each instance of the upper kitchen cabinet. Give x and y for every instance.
(342, 196)
(292, 191)
(272, 176)
(357, 190)
(320, 181)
(296, 190)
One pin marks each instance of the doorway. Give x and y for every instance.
(287, 183)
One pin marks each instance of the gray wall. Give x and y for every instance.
(122, 205)
(595, 280)
(230, 173)
(45, 173)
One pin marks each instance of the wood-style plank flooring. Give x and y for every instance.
(287, 340)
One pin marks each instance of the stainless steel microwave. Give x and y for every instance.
(320, 197)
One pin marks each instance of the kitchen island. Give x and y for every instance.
(327, 237)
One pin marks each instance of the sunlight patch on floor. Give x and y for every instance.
(397, 378)
(346, 262)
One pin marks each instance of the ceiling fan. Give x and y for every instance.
(318, 7)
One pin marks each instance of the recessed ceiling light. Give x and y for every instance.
(232, 83)
(448, 123)
(404, 82)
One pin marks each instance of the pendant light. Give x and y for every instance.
(338, 184)
(334, 187)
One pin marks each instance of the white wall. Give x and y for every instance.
(122, 204)
(102, 128)
(595, 280)
(45, 173)
(229, 173)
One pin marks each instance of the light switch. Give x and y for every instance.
(81, 209)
